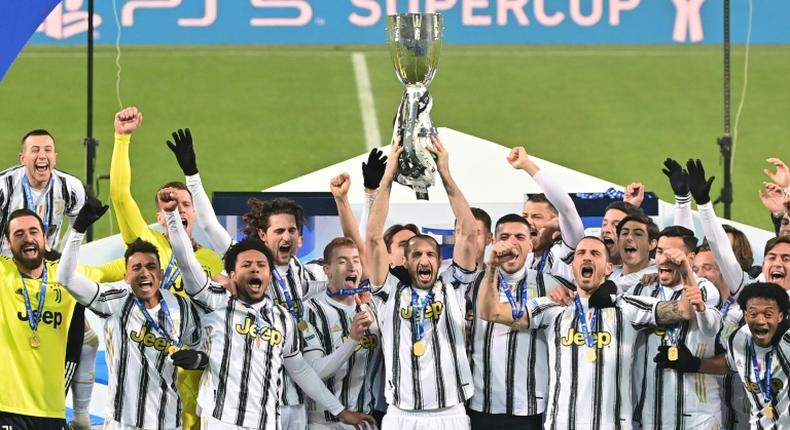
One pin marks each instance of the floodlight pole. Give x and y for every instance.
(725, 142)
(90, 143)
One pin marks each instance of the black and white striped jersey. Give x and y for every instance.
(741, 351)
(302, 283)
(350, 366)
(668, 399)
(735, 406)
(62, 199)
(509, 367)
(247, 346)
(555, 260)
(438, 375)
(586, 394)
(143, 381)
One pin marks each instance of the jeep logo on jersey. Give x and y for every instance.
(776, 386)
(55, 319)
(267, 334)
(147, 338)
(601, 338)
(367, 341)
(434, 310)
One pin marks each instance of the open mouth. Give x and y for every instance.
(629, 250)
(777, 276)
(665, 271)
(285, 249)
(184, 222)
(41, 166)
(608, 241)
(352, 279)
(30, 250)
(146, 284)
(424, 274)
(760, 332)
(587, 271)
(255, 284)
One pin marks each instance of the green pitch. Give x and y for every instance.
(263, 115)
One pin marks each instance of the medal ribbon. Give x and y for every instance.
(27, 190)
(765, 383)
(586, 330)
(363, 287)
(286, 293)
(543, 259)
(257, 315)
(34, 318)
(671, 329)
(419, 323)
(726, 307)
(171, 273)
(517, 311)
(155, 325)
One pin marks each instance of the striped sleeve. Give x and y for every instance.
(543, 312)
(641, 311)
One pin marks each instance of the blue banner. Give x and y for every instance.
(152, 22)
(18, 20)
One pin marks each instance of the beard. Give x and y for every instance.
(28, 263)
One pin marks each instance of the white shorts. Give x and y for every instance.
(329, 426)
(452, 418)
(293, 417)
(208, 422)
(115, 425)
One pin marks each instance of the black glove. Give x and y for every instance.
(602, 297)
(184, 152)
(699, 186)
(91, 211)
(686, 362)
(678, 178)
(190, 359)
(373, 170)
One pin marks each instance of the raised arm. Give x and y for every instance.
(489, 308)
(194, 277)
(571, 226)
(184, 150)
(678, 180)
(731, 270)
(372, 172)
(465, 249)
(103, 299)
(339, 186)
(130, 219)
(378, 257)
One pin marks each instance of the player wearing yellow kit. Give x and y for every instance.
(133, 226)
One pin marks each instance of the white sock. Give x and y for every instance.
(82, 385)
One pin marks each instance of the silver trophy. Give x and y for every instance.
(415, 40)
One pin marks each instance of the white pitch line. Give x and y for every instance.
(366, 105)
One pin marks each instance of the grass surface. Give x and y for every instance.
(262, 115)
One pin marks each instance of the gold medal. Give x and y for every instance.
(35, 340)
(514, 326)
(672, 353)
(172, 349)
(419, 348)
(302, 325)
(768, 411)
(258, 342)
(591, 355)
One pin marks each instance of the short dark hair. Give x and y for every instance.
(689, 240)
(768, 291)
(390, 233)
(541, 198)
(624, 207)
(741, 247)
(142, 246)
(175, 184)
(599, 240)
(642, 219)
(482, 216)
(775, 241)
(338, 242)
(37, 132)
(261, 210)
(508, 218)
(19, 213)
(424, 237)
(703, 247)
(251, 243)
